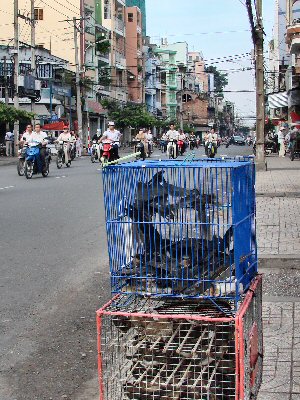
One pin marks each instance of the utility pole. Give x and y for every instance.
(258, 40)
(260, 94)
(78, 91)
(33, 66)
(16, 72)
(5, 87)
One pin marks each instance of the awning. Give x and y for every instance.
(55, 126)
(39, 109)
(278, 100)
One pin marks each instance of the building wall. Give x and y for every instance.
(141, 4)
(134, 49)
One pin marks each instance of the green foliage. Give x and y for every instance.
(9, 114)
(103, 47)
(221, 79)
(129, 115)
(104, 77)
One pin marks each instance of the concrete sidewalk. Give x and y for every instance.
(278, 228)
(8, 160)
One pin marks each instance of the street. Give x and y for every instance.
(54, 275)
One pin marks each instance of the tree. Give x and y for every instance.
(221, 80)
(128, 115)
(9, 114)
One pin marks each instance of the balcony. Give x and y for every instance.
(150, 90)
(120, 60)
(293, 36)
(122, 2)
(104, 57)
(119, 26)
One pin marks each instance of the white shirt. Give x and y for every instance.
(181, 136)
(172, 135)
(281, 136)
(37, 137)
(114, 135)
(26, 136)
(9, 136)
(149, 137)
(65, 137)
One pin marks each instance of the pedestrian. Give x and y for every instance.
(78, 146)
(281, 138)
(9, 142)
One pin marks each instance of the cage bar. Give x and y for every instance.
(181, 230)
(185, 349)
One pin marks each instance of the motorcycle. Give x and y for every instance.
(72, 151)
(107, 151)
(150, 149)
(21, 160)
(63, 154)
(139, 148)
(95, 152)
(193, 144)
(33, 163)
(210, 150)
(172, 149)
(180, 144)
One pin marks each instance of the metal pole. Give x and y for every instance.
(5, 87)
(260, 95)
(16, 73)
(78, 91)
(33, 66)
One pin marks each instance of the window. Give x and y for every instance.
(38, 14)
(190, 58)
(107, 9)
(130, 17)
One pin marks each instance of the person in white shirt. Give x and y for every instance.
(66, 137)
(150, 140)
(26, 135)
(39, 136)
(112, 135)
(9, 142)
(211, 137)
(281, 140)
(172, 134)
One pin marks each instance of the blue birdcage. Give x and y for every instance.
(181, 229)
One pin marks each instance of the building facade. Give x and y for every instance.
(141, 4)
(134, 55)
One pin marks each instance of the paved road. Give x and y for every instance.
(53, 276)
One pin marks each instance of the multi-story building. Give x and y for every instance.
(141, 4)
(113, 19)
(293, 73)
(169, 84)
(153, 87)
(134, 55)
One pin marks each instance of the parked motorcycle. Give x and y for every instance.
(33, 163)
(95, 152)
(172, 149)
(63, 154)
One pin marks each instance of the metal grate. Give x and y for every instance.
(169, 355)
(181, 230)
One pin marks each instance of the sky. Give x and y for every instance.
(217, 28)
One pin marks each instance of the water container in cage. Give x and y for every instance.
(181, 229)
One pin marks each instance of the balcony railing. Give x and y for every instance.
(119, 25)
(120, 58)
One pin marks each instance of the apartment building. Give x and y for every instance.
(141, 4)
(134, 55)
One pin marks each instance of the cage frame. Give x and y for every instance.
(237, 319)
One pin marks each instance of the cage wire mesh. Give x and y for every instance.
(178, 349)
(185, 230)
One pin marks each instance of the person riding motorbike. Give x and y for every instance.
(65, 136)
(193, 141)
(97, 136)
(39, 136)
(211, 137)
(182, 138)
(150, 141)
(26, 135)
(143, 138)
(112, 135)
(164, 142)
(172, 134)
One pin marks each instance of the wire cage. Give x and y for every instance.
(180, 349)
(181, 229)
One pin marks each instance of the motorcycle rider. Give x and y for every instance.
(193, 139)
(39, 136)
(26, 135)
(182, 137)
(143, 137)
(65, 136)
(172, 134)
(112, 135)
(150, 141)
(97, 136)
(211, 137)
